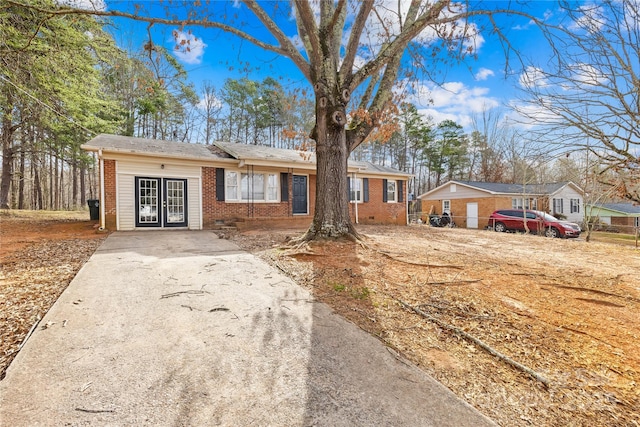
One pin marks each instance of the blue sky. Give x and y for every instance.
(464, 89)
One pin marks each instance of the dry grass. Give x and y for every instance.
(565, 309)
(41, 253)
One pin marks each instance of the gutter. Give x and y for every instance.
(356, 199)
(102, 202)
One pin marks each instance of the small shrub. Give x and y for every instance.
(339, 287)
(360, 293)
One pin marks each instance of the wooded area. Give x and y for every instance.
(64, 79)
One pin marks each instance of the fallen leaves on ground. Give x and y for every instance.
(39, 260)
(565, 309)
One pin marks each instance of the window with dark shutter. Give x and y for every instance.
(284, 187)
(385, 197)
(365, 189)
(220, 184)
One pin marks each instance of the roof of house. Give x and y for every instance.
(499, 188)
(625, 208)
(144, 146)
(243, 153)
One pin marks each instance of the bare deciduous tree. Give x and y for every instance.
(350, 52)
(589, 94)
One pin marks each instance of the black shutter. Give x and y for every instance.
(220, 184)
(384, 191)
(284, 187)
(365, 189)
(400, 193)
(348, 189)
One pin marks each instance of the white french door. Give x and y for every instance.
(161, 202)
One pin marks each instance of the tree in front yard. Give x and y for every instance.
(351, 53)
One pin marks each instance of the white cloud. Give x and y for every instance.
(533, 77)
(189, 48)
(483, 74)
(592, 19)
(384, 24)
(97, 5)
(587, 74)
(545, 17)
(527, 115)
(452, 101)
(209, 101)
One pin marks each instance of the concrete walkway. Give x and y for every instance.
(174, 328)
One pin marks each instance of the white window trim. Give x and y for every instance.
(522, 203)
(447, 210)
(395, 191)
(574, 205)
(238, 198)
(558, 203)
(359, 190)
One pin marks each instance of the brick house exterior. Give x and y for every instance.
(622, 217)
(470, 203)
(159, 184)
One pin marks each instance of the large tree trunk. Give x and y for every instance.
(21, 178)
(38, 199)
(7, 154)
(74, 184)
(83, 185)
(331, 217)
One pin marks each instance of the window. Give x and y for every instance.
(575, 205)
(272, 187)
(231, 185)
(446, 206)
(520, 203)
(557, 206)
(355, 191)
(253, 186)
(391, 191)
(636, 221)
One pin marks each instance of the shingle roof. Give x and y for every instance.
(127, 144)
(261, 152)
(627, 208)
(221, 150)
(502, 188)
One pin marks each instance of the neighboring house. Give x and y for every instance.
(471, 203)
(148, 183)
(623, 215)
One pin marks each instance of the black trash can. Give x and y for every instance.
(94, 211)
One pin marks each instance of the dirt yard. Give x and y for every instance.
(529, 330)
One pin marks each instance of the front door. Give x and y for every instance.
(161, 202)
(472, 215)
(300, 204)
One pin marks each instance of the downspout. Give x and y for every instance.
(102, 202)
(406, 199)
(356, 199)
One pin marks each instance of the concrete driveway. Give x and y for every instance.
(175, 328)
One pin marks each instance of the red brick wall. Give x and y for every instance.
(375, 211)
(215, 213)
(109, 194)
(623, 221)
(486, 206)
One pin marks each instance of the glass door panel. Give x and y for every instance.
(175, 202)
(148, 202)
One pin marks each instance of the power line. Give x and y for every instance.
(70, 119)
